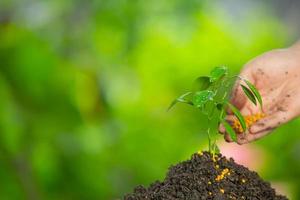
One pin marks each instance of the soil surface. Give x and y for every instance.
(202, 177)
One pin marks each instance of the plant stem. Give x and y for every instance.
(209, 137)
(214, 150)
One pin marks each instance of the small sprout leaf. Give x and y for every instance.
(202, 97)
(201, 83)
(239, 115)
(249, 94)
(229, 130)
(254, 91)
(217, 73)
(181, 99)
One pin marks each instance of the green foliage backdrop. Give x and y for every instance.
(84, 88)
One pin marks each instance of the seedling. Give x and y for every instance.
(210, 95)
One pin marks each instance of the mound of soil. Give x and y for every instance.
(202, 177)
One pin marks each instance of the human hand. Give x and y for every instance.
(276, 74)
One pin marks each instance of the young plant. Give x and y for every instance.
(210, 96)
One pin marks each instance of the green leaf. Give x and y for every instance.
(181, 99)
(201, 83)
(201, 97)
(222, 114)
(218, 73)
(239, 115)
(255, 92)
(219, 106)
(229, 130)
(249, 94)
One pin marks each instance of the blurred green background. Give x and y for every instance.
(84, 87)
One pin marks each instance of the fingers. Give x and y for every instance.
(229, 119)
(259, 129)
(270, 122)
(263, 127)
(223, 131)
(244, 138)
(227, 138)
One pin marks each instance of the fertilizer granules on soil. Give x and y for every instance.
(204, 177)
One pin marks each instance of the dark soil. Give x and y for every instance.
(202, 178)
